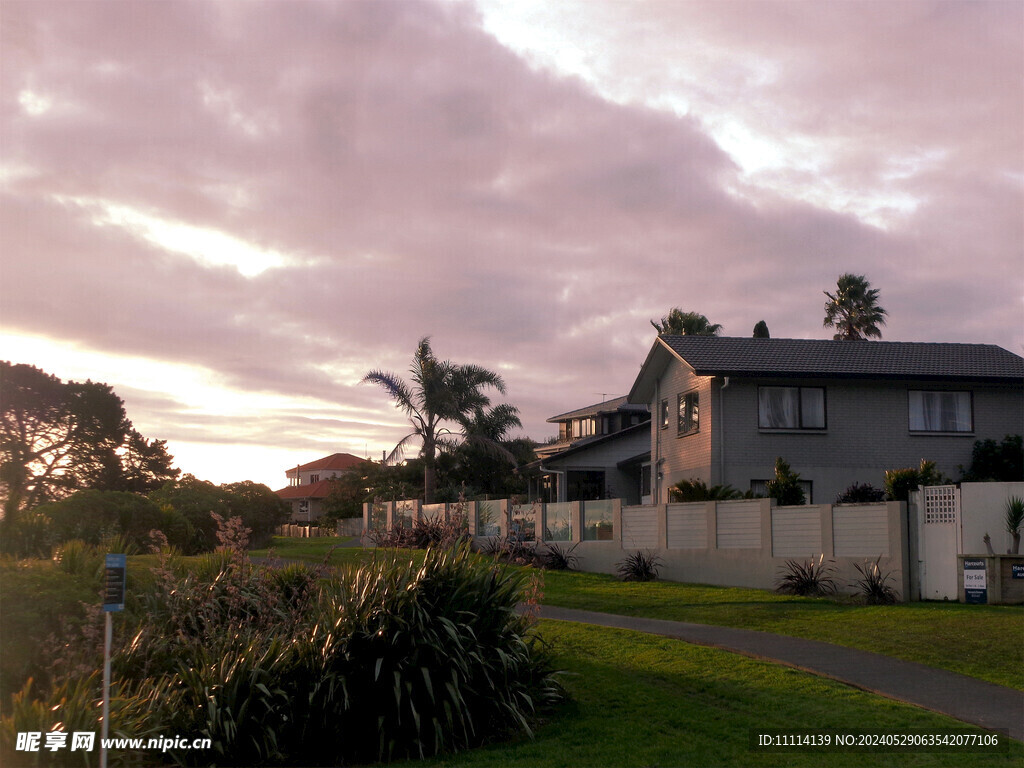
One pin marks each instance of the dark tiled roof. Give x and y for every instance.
(710, 355)
(609, 406)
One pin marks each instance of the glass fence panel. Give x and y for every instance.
(523, 521)
(487, 519)
(432, 512)
(597, 520)
(403, 514)
(558, 522)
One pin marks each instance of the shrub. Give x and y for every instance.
(999, 462)
(555, 558)
(1013, 520)
(861, 494)
(900, 482)
(785, 486)
(386, 661)
(93, 515)
(873, 585)
(697, 490)
(512, 549)
(639, 566)
(812, 578)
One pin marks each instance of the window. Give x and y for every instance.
(314, 478)
(689, 413)
(791, 407)
(940, 411)
(664, 414)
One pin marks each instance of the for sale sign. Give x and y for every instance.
(975, 582)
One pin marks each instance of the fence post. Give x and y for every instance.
(617, 521)
(662, 518)
(503, 513)
(576, 520)
(711, 510)
(828, 543)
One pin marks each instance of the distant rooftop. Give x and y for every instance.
(608, 406)
(334, 461)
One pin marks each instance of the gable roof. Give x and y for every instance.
(334, 461)
(592, 441)
(608, 406)
(820, 358)
(318, 490)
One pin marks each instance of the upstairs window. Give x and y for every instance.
(940, 411)
(314, 479)
(664, 414)
(689, 413)
(791, 407)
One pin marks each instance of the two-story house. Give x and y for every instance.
(308, 484)
(838, 411)
(599, 454)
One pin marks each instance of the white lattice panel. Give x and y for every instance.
(940, 505)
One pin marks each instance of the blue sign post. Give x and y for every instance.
(114, 578)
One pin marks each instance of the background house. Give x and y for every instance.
(308, 484)
(600, 453)
(838, 411)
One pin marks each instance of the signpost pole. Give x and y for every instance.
(105, 728)
(116, 567)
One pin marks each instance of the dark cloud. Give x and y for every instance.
(419, 178)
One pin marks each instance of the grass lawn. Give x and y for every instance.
(640, 700)
(983, 641)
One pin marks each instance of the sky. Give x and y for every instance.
(232, 211)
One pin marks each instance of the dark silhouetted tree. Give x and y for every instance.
(679, 323)
(761, 330)
(440, 404)
(853, 309)
(60, 437)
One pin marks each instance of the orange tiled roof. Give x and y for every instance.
(334, 461)
(311, 491)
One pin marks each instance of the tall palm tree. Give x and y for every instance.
(443, 396)
(853, 309)
(679, 323)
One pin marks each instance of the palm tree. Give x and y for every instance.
(442, 396)
(679, 323)
(853, 309)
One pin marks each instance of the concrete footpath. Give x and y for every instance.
(965, 698)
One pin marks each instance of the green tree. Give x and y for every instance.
(260, 509)
(679, 323)
(785, 486)
(440, 404)
(58, 437)
(91, 515)
(996, 462)
(761, 330)
(853, 309)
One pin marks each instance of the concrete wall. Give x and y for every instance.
(867, 432)
(730, 543)
(982, 509)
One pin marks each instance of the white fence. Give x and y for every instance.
(729, 543)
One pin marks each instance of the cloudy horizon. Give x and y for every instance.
(231, 212)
